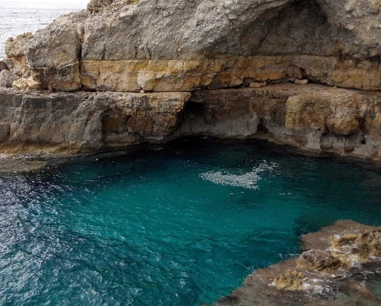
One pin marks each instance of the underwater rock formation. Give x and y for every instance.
(336, 268)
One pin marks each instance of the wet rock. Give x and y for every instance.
(368, 245)
(20, 165)
(320, 261)
(291, 280)
(311, 279)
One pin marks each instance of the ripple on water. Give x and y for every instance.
(175, 226)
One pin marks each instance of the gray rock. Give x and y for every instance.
(180, 45)
(3, 66)
(7, 78)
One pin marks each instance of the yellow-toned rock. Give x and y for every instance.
(320, 261)
(26, 84)
(292, 280)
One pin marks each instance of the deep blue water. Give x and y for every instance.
(173, 225)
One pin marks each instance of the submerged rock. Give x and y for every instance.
(20, 165)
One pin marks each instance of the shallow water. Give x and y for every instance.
(174, 225)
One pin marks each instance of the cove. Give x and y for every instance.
(180, 224)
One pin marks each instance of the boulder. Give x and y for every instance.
(15, 51)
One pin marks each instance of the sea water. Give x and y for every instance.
(181, 224)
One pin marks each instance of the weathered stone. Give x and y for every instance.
(3, 66)
(126, 47)
(25, 84)
(7, 78)
(82, 122)
(257, 84)
(291, 280)
(312, 117)
(4, 131)
(301, 82)
(15, 51)
(321, 261)
(310, 279)
(95, 6)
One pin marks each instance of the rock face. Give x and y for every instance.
(311, 117)
(311, 279)
(235, 58)
(181, 45)
(71, 123)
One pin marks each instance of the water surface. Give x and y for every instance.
(181, 224)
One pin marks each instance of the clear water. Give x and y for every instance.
(174, 225)
(17, 17)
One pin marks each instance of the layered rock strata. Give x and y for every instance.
(336, 268)
(127, 45)
(311, 117)
(222, 54)
(83, 122)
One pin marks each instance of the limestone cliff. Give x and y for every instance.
(180, 45)
(223, 68)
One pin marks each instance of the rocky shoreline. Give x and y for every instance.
(112, 76)
(314, 118)
(292, 72)
(340, 265)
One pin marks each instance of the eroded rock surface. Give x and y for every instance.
(172, 45)
(83, 122)
(236, 58)
(311, 117)
(311, 279)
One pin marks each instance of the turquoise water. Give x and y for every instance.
(181, 224)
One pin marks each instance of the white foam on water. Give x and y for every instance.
(248, 180)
